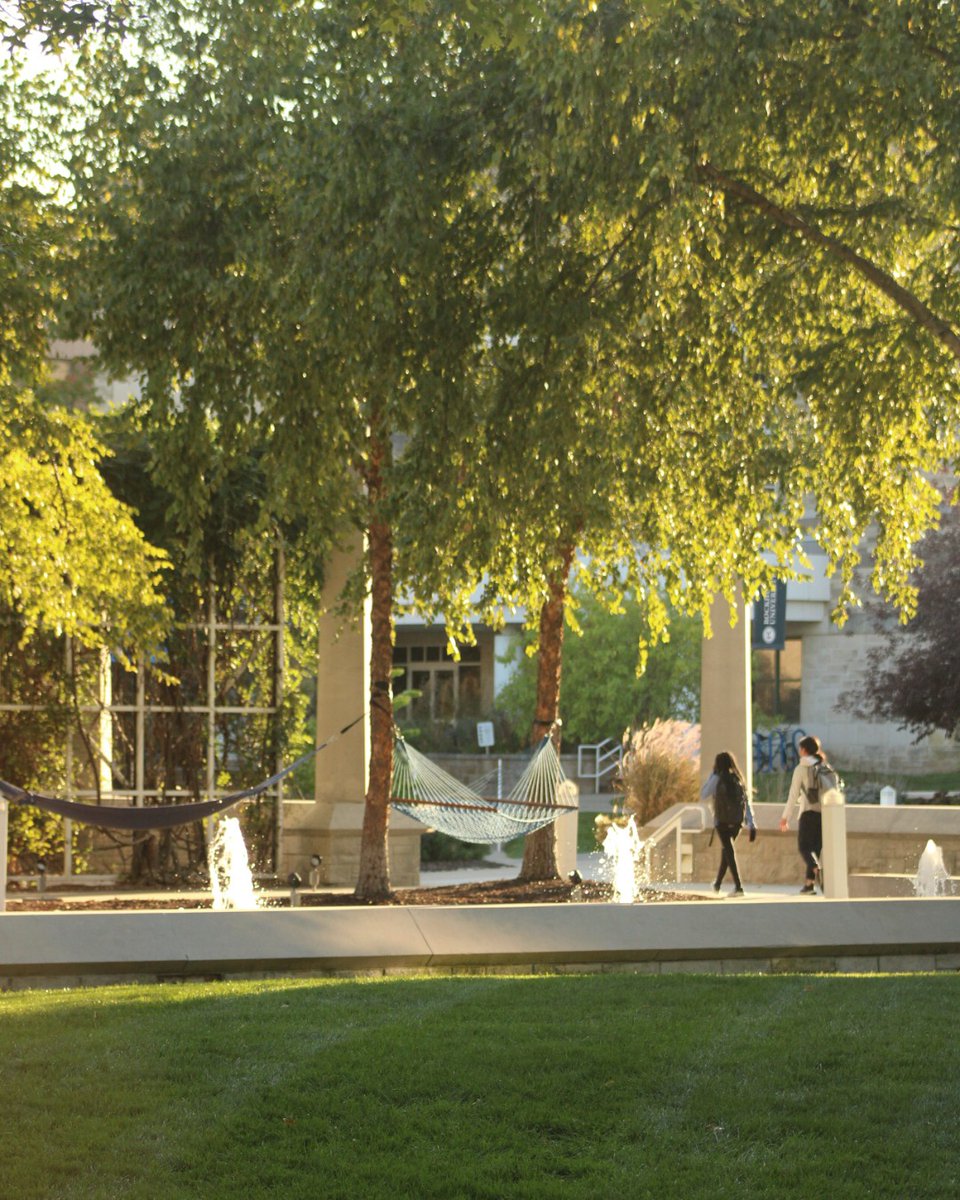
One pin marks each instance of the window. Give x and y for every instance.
(776, 684)
(448, 688)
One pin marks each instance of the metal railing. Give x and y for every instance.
(597, 761)
(675, 827)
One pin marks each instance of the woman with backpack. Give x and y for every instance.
(805, 796)
(731, 808)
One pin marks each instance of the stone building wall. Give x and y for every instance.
(834, 663)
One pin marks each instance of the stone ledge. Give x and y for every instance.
(772, 936)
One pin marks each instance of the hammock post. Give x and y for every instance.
(4, 832)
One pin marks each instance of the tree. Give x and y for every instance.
(590, 463)
(273, 288)
(74, 559)
(913, 676)
(763, 362)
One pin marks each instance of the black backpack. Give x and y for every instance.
(730, 800)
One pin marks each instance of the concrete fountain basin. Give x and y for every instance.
(781, 934)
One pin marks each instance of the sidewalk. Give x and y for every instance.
(596, 866)
(497, 866)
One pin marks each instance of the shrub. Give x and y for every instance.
(660, 768)
(440, 847)
(458, 735)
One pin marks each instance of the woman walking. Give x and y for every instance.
(731, 808)
(804, 795)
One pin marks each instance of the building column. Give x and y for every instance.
(329, 824)
(725, 694)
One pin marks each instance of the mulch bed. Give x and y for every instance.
(508, 891)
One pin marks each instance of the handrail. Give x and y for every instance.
(604, 760)
(675, 826)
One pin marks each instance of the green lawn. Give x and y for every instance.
(563, 1086)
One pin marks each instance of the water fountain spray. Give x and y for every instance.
(231, 880)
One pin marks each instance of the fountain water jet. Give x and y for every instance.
(231, 881)
(932, 878)
(624, 846)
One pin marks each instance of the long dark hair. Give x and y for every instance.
(811, 745)
(726, 764)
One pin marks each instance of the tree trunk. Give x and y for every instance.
(540, 848)
(373, 881)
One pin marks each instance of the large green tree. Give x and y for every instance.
(682, 359)
(297, 271)
(606, 452)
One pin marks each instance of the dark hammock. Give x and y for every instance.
(154, 816)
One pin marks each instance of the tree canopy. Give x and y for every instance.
(608, 296)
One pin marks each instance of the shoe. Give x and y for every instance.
(737, 892)
(807, 889)
(716, 888)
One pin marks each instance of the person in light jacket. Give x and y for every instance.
(810, 818)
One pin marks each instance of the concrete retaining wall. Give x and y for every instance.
(802, 934)
(880, 841)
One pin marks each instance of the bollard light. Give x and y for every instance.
(41, 877)
(316, 861)
(294, 881)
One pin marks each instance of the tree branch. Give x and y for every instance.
(874, 275)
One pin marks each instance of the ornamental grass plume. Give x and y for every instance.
(660, 768)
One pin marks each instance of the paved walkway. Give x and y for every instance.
(497, 866)
(592, 866)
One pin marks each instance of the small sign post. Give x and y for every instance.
(484, 734)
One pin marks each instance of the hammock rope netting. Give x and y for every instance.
(433, 797)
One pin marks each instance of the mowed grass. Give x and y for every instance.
(562, 1086)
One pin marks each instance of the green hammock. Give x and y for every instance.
(433, 797)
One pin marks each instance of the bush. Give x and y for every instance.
(440, 847)
(458, 735)
(660, 768)
(602, 694)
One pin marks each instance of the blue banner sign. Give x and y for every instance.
(770, 618)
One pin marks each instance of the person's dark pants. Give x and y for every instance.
(728, 857)
(810, 841)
